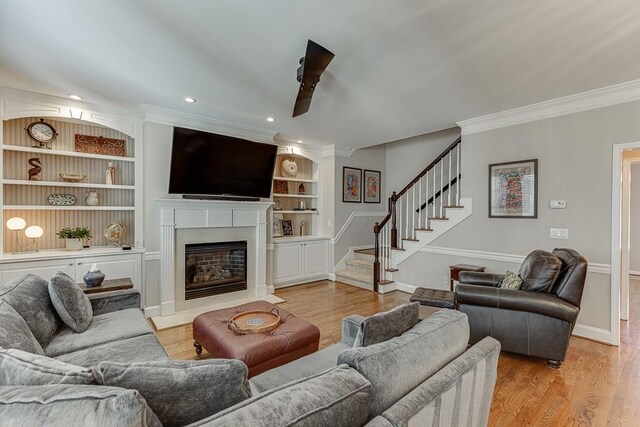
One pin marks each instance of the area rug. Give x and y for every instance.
(186, 316)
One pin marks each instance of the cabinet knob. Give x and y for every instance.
(70, 264)
(79, 263)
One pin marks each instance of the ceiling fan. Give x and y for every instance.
(312, 64)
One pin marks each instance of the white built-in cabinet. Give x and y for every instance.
(114, 263)
(300, 260)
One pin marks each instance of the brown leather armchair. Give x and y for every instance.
(536, 320)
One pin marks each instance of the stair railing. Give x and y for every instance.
(420, 202)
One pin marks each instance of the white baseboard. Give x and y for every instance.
(153, 310)
(593, 333)
(405, 287)
(332, 277)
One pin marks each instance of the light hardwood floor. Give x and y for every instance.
(598, 385)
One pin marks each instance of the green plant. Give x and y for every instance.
(75, 233)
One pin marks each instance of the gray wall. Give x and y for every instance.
(634, 219)
(406, 158)
(575, 157)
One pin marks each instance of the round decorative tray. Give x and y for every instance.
(255, 322)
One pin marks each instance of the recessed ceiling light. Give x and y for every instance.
(299, 141)
(190, 100)
(271, 119)
(76, 97)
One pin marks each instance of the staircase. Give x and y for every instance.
(428, 207)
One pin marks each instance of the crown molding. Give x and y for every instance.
(336, 150)
(170, 117)
(598, 98)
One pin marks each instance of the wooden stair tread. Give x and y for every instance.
(438, 218)
(423, 229)
(369, 251)
(385, 282)
(453, 207)
(409, 239)
(397, 249)
(391, 270)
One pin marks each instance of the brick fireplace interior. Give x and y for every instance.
(215, 268)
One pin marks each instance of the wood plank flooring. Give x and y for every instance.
(598, 385)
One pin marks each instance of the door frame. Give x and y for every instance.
(616, 236)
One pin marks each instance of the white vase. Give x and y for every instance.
(92, 198)
(73, 244)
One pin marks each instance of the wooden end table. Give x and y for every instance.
(456, 269)
(108, 285)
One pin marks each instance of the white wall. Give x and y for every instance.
(575, 157)
(634, 223)
(157, 158)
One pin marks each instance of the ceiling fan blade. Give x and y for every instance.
(316, 60)
(303, 102)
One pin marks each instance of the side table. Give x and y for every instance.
(108, 285)
(456, 269)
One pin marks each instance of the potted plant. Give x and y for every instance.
(73, 237)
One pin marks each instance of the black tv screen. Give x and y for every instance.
(207, 164)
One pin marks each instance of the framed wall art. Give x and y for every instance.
(351, 185)
(371, 184)
(277, 224)
(513, 189)
(287, 227)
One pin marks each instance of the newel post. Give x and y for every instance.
(394, 231)
(376, 260)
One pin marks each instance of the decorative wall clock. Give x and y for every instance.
(41, 132)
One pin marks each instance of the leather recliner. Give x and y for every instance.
(536, 320)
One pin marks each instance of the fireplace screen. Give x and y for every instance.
(215, 268)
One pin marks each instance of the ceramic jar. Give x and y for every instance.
(92, 198)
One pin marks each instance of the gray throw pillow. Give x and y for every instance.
(511, 281)
(70, 302)
(18, 367)
(339, 397)
(181, 392)
(383, 326)
(14, 331)
(64, 405)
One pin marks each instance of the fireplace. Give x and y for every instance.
(215, 268)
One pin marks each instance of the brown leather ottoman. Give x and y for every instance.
(291, 340)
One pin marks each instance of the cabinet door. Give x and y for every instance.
(44, 269)
(286, 262)
(315, 258)
(113, 267)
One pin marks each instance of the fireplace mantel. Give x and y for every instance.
(178, 214)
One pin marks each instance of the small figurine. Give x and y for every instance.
(301, 188)
(111, 174)
(34, 172)
(302, 228)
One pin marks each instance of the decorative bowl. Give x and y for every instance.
(72, 177)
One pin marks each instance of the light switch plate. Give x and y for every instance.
(559, 233)
(557, 204)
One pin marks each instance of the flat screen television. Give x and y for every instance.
(206, 164)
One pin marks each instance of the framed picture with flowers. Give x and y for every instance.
(371, 183)
(351, 185)
(513, 189)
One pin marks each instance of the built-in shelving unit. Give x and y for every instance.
(28, 199)
(289, 203)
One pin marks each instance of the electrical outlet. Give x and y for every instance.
(557, 204)
(559, 233)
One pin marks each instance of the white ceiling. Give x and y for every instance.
(402, 68)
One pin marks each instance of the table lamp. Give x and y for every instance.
(33, 232)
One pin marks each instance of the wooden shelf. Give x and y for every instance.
(297, 196)
(67, 184)
(296, 212)
(66, 208)
(66, 153)
(282, 178)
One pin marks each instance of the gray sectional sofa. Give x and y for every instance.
(389, 370)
